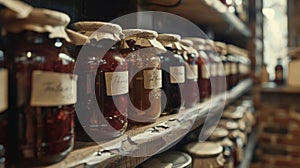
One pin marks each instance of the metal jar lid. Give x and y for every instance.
(204, 149)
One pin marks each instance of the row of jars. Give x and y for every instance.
(223, 149)
(109, 75)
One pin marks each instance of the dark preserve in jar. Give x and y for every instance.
(140, 49)
(223, 68)
(203, 67)
(173, 67)
(279, 80)
(102, 82)
(234, 64)
(211, 53)
(190, 55)
(3, 107)
(42, 87)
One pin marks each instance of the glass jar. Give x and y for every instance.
(140, 50)
(234, 66)
(102, 74)
(214, 63)
(224, 67)
(244, 67)
(203, 68)
(173, 75)
(206, 154)
(220, 135)
(42, 87)
(190, 55)
(172, 159)
(236, 137)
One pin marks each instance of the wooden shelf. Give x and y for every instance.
(165, 132)
(211, 14)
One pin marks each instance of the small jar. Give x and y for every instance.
(42, 87)
(244, 67)
(4, 104)
(206, 154)
(173, 67)
(203, 68)
(171, 159)
(236, 137)
(224, 67)
(140, 49)
(100, 65)
(190, 55)
(220, 135)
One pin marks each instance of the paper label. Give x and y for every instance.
(3, 90)
(244, 69)
(227, 68)
(152, 79)
(233, 68)
(192, 72)
(177, 74)
(221, 71)
(116, 83)
(53, 88)
(213, 70)
(205, 71)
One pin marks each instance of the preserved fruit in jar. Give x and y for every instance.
(140, 49)
(102, 82)
(173, 67)
(42, 89)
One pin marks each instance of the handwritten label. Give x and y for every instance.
(177, 74)
(3, 90)
(227, 69)
(205, 71)
(192, 72)
(213, 70)
(152, 79)
(233, 68)
(116, 83)
(220, 69)
(53, 88)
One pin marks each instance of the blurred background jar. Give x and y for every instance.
(214, 65)
(203, 67)
(191, 90)
(140, 49)
(102, 82)
(173, 67)
(42, 87)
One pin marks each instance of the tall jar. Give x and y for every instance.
(190, 55)
(102, 82)
(206, 154)
(3, 107)
(214, 63)
(220, 135)
(42, 87)
(234, 66)
(224, 67)
(173, 66)
(140, 49)
(203, 68)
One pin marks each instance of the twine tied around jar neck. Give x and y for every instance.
(143, 38)
(98, 30)
(170, 41)
(187, 46)
(198, 43)
(39, 20)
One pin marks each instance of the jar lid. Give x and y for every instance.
(204, 149)
(198, 43)
(236, 115)
(76, 38)
(20, 8)
(155, 162)
(170, 40)
(221, 47)
(187, 46)
(144, 38)
(232, 49)
(98, 30)
(38, 20)
(174, 158)
(229, 125)
(209, 44)
(219, 132)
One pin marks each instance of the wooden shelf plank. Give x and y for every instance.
(210, 13)
(145, 140)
